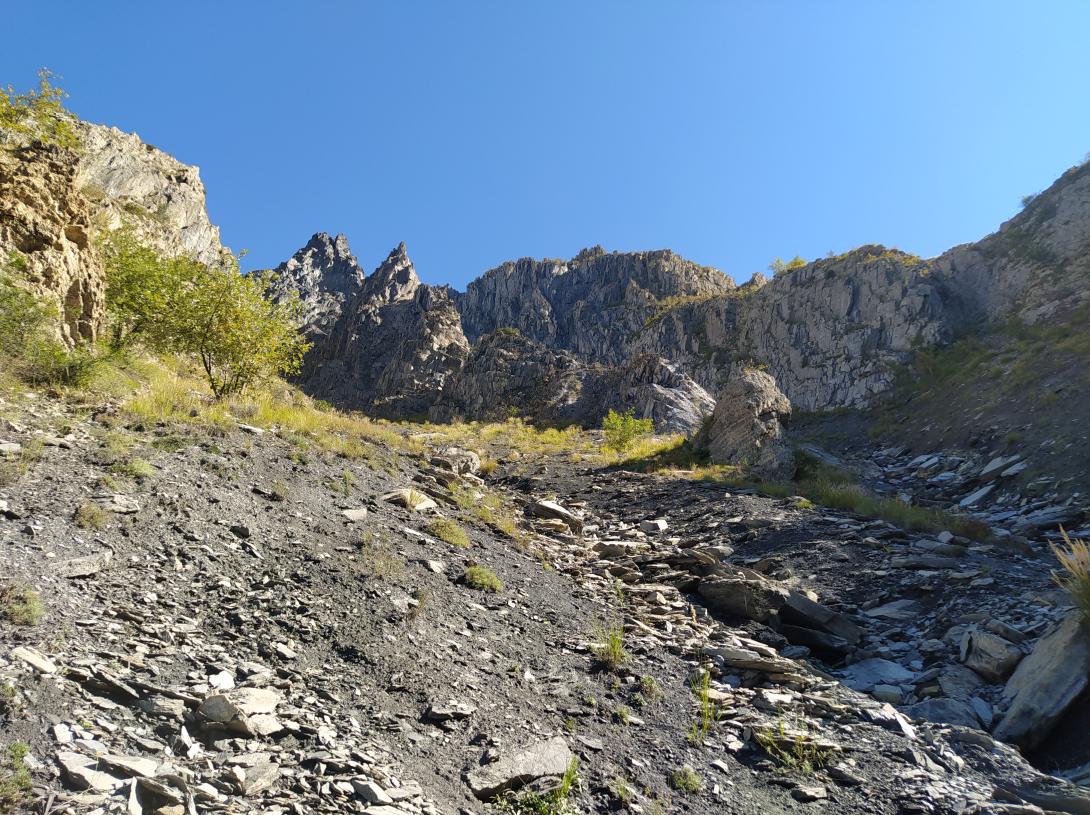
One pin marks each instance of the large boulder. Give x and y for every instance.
(1047, 683)
(747, 427)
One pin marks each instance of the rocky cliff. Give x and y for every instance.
(391, 341)
(591, 305)
(324, 275)
(508, 374)
(45, 236)
(133, 182)
(53, 200)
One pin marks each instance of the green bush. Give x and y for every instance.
(622, 429)
(778, 267)
(39, 115)
(218, 315)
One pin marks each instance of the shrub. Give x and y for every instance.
(1074, 557)
(609, 648)
(685, 779)
(39, 115)
(22, 317)
(554, 802)
(447, 530)
(22, 605)
(622, 429)
(482, 579)
(779, 267)
(218, 315)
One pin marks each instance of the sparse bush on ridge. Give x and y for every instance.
(21, 605)
(449, 531)
(39, 115)
(482, 579)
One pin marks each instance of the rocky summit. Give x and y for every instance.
(607, 534)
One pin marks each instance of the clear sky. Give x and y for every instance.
(731, 132)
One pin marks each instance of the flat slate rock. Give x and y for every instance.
(544, 758)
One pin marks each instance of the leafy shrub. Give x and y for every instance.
(622, 429)
(217, 315)
(15, 782)
(554, 802)
(1074, 557)
(39, 115)
(482, 579)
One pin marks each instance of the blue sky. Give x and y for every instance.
(482, 131)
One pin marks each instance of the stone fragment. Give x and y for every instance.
(116, 503)
(81, 774)
(944, 711)
(371, 792)
(84, 566)
(989, 655)
(35, 659)
(864, 675)
(355, 514)
(653, 526)
(538, 760)
(249, 711)
(551, 509)
(753, 597)
(457, 460)
(802, 610)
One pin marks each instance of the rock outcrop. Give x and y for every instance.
(747, 427)
(508, 374)
(129, 181)
(393, 346)
(45, 236)
(591, 305)
(325, 275)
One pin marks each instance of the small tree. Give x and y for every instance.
(223, 318)
(778, 267)
(39, 114)
(622, 429)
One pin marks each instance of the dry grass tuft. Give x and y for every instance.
(1074, 557)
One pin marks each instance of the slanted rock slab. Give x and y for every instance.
(538, 760)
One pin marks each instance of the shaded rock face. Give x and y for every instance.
(747, 427)
(325, 275)
(45, 236)
(392, 347)
(509, 374)
(132, 182)
(591, 305)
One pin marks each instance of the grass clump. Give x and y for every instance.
(15, 783)
(686, 779)
(1074, 557)
(556, 801)
(707, 713)
(449, 531)
(136, 468)
(380, 560)
(794, 748)
(91, 516)
(483, 579)
(609, 648)
(22, 605)
(623, 429)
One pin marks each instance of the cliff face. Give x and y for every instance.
(45, 236)
(508, 374)
(52, 201)
(393, 344)
(164, 200)
(592, 305)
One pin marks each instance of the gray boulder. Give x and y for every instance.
(747, 427)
